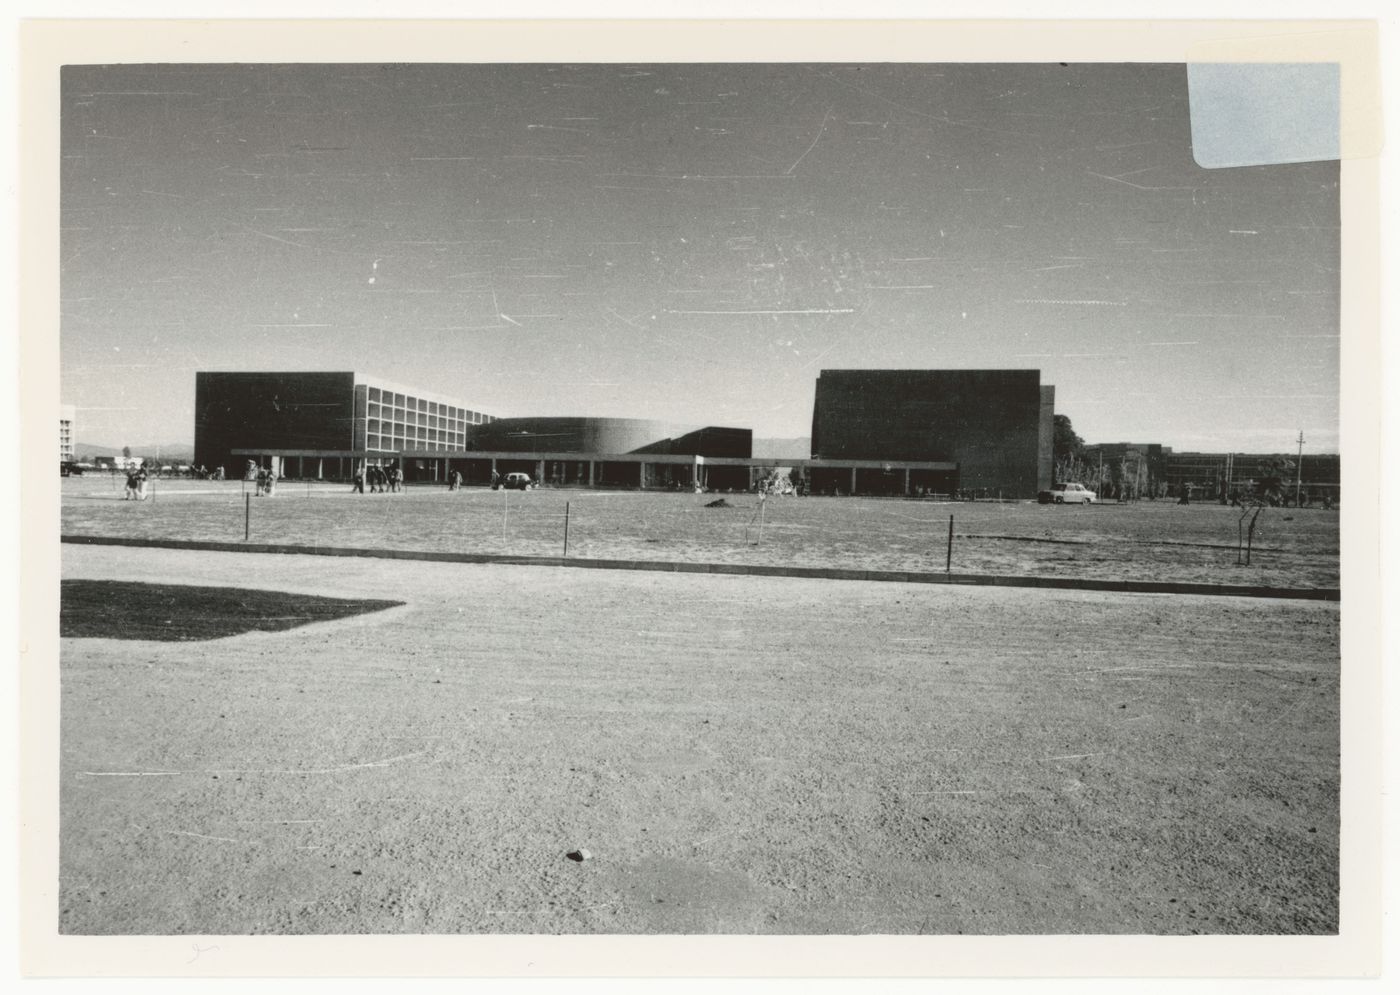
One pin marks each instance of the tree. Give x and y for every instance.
(1269, 486)
(1071, 459)
(1067, 441)
(126, 452)
(1132, 477)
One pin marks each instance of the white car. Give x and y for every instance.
(1067, 494)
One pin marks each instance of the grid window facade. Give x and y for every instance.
(391, 420)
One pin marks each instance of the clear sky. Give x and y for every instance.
(690, 243)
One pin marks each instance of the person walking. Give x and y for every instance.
(358, 479)
(141, 476)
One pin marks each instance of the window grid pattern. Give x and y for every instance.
(396, 421)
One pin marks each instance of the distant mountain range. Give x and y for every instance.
(176, 451)
(798, 448)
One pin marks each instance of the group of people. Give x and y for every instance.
(266, 480)
(381, 479)
(136, 478)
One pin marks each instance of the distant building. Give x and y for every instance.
(65, 433)
(993, 431)
(556, 439)
(339, 415)
(320, 425)
(1211, 474)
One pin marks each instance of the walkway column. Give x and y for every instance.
(906, 481)
(642, 475)
(592, 472)
(853, 481)
(539, 471)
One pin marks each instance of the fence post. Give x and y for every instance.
(566, 528)
(247, 514)
(948, 567)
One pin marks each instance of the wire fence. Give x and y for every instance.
(1137, 542)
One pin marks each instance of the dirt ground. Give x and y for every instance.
(736, 754)
(1142, 541)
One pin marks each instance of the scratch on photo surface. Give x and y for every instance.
(255, 770)
(201, 836)
(820, 131)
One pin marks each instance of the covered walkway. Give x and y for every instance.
(640, 471)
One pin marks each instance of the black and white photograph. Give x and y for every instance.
(795, 498)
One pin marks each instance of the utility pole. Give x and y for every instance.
(1298, 488)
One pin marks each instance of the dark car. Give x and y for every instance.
(69, 468)
(517, 482)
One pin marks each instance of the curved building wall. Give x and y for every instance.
(582, 434)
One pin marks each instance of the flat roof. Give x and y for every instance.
(576, 457)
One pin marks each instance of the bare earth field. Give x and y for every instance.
(1144, 541)
(737, 754)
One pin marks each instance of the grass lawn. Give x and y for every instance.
(116, 609)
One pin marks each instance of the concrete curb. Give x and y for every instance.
(754, 570)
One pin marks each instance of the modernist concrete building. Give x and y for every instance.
(335, 418)
(1165, 473)
(980, 432)
(320, 425)
(1209, 475)
(910, 432)
(618, 452)
(65, 433)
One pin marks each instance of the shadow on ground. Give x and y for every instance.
(113, 609)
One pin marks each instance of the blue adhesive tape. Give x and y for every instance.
(1264, 113)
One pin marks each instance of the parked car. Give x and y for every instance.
(517, 482)
(69, 468)
(1067, 494)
